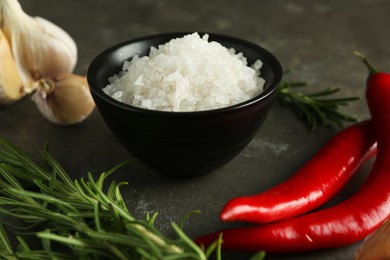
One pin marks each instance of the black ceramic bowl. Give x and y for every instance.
(183, 144)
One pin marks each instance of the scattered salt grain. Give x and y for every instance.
(187, 74)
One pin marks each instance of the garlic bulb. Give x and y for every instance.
(64, 100)
(376, 245)
(11, 88)
(40, 48)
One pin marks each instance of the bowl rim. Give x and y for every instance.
(273, 87)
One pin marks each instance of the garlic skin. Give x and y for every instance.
(11, 87)
(376, 245)
(40, 48)
(64, 100)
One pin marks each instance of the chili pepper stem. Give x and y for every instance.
(371, 68)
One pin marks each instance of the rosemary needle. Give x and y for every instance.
(315, 109)
(76, 218)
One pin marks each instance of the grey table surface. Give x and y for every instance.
(314, 38)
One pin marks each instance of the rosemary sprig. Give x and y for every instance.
(77, 218)
(315, 109)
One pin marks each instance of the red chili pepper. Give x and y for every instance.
(313, 184)
(345, 223)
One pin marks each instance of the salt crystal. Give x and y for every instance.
(187, 74)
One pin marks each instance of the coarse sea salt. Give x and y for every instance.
(187, 74)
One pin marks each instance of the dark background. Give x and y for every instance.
(315, 39)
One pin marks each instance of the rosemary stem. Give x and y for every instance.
(314, 108)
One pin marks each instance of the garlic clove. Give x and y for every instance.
(61, 53)
(64, 100)
(40, 48)
(11, 87)
(376, 245)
